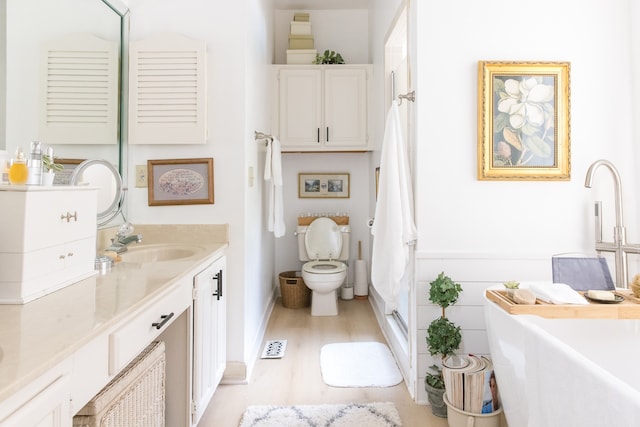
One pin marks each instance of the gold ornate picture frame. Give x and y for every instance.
(523, 121)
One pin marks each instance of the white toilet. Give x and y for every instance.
(325, 245)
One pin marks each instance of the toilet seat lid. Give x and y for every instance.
(323, 239)
(324, 267)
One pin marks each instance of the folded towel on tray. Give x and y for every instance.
(555, 293)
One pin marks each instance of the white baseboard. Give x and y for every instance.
(240, 372)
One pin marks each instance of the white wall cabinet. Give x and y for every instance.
(209, 329)
(323, 107)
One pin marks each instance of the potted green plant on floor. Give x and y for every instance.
(443, 338)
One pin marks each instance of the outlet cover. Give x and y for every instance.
(141, 176)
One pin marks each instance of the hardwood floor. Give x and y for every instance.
(296, 379)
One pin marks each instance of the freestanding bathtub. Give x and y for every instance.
(565, 372)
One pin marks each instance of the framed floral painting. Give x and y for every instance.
(523, 121)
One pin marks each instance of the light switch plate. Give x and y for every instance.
(141, 176)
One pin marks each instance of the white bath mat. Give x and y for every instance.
(344, 415)
(359, 364)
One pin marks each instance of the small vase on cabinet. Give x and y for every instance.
(47, 178)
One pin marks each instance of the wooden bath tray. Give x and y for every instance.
(627, 309)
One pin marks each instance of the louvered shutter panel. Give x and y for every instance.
(79, 96)
(167, 91)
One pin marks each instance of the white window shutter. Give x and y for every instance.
(79, 96)
(167, 91)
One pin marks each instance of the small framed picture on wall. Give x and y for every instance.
(323, 185)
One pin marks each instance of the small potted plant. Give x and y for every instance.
(50, 167)
(443, 338)
(511, 286)
(329, 57)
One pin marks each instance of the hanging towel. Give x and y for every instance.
(273, 177)
(394, 230)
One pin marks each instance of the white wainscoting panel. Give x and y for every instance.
(475, 273)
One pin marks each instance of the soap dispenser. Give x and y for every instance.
(34, 164)
(18, 172)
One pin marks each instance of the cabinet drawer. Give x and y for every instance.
(40, 219)
(38, 273)
(144, 326)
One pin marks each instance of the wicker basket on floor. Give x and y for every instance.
(135, 397)
(295, 293)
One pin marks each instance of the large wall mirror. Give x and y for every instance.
(25, 26)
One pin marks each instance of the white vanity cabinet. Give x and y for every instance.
(48, 239)
(322, 107)
(209, 329)
(46, 402)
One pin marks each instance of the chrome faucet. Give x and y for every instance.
(122, 240)
(619, 246)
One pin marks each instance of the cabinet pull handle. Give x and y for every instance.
(218, 279)
(68, 216)
(164, 319)
(327, 133)
(318, 138)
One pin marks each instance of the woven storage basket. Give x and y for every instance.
(135, 397)
(295, 293)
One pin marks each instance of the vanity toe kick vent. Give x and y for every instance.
(274, 349)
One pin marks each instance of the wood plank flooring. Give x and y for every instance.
(296, 378)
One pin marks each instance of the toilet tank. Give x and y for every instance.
(344, 253)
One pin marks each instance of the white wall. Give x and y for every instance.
(239, 46)
(481, 232)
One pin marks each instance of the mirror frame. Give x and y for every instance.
(116, 205)
(122, 10)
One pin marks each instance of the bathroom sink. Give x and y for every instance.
(156, 253)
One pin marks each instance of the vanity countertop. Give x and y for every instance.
(37, 335)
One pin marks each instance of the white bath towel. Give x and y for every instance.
(273, 178)
(393, 228)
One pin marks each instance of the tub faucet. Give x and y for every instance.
(619, 245)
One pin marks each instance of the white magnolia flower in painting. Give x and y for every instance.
(524, 102)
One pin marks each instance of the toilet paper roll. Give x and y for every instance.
(361, 286)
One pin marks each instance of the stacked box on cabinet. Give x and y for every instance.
(301, 44)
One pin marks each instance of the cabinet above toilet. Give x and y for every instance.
(322, 108)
